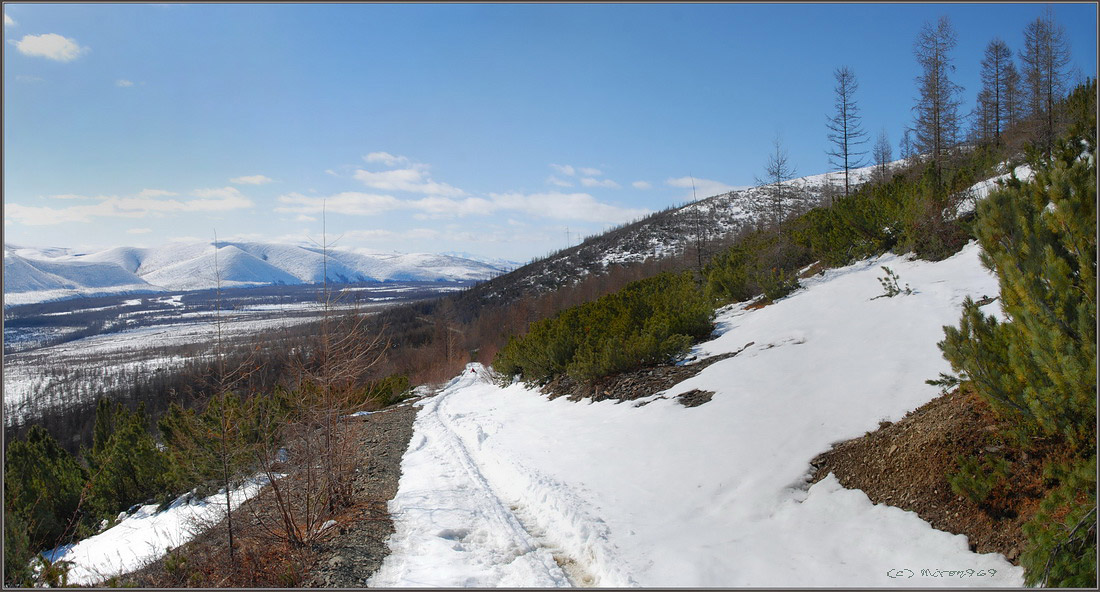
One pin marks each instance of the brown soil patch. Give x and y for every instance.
(629, 386)
(906, 464)
(344, 556)
(694, 398)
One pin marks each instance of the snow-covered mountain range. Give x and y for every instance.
(36, 274)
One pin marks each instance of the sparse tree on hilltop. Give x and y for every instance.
(845, 129)
(997, 100)
(1045, 57)
(883, 155)
(937, 122)
(777, 173)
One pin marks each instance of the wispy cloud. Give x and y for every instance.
(251, 180)
(144, 204)
(50, 46)
(564, 169)
(413, 180)
(139, 231)
(642, 185)
(387, 159)
(571, 171)
(122, 82)
(150, 193)
(348, 202)
(553, 180)
(555, 205)
(565, 206)
(8, 21)
(703, 187)
(28, 78)
(381, 234)
(590, 182)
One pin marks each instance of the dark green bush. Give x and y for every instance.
(1061, 549)
(386, 391)
(42, 487)
(977, 476)
(648, 322)
(1038, 369)
(125, 464)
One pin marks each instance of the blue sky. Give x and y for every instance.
(484, 128)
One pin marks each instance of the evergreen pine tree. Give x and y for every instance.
(1039, 367)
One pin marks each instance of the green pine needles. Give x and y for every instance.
(648, 322)
(1038, 368)
(890, 286)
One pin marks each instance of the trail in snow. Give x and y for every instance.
(446, 513)
(498, 482)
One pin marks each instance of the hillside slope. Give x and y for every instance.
(501, 486)
(706, 222)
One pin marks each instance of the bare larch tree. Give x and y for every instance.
(845, 130)
(1045, 57)
(883, 154)
(777, 173)
(937, 123)
(998, 94)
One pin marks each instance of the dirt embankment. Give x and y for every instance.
(346, 555)
(905, 464)
(636, 384)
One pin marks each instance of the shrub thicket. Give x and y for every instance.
(646, 323)
(1038, 368)
(125, 465)
(42, 492)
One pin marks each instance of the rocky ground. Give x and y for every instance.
(349, 559)
(345, 555)
(905, 464)
(629, 386)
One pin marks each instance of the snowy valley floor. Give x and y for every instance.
(505, 487)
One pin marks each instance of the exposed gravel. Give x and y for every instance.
(636, 384)
(351, 557)
(905, 464)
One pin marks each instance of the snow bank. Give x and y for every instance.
(146, 535)
(504, 487)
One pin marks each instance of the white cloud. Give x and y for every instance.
(590, 182)
(572, 171)
(304, 218)
(27, 78)
(142, 205)
(225, 198)
(151, 193)
(252, 180)
(8, 21)
(139, 231)
(565, 206)
(379, 234)
(411, 179)
(348, 202)
(564, 169)
(51, 46)
(387, 159)
(559, 182)
(703, 187)
(123, 83)
(642, 185)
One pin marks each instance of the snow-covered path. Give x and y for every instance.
(504, 487)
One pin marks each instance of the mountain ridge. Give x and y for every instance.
(39, 274)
